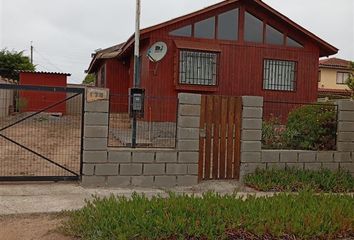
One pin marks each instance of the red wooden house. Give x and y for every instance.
(34, 101)
(236, 47)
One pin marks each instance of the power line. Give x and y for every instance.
(47, 60)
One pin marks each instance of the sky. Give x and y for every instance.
(65, 32)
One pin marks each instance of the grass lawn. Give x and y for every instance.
(295, 180)
(285, 216)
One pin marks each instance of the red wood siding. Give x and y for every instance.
(33, 101)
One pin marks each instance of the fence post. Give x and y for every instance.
(345, 135)
(251, 134)
(95, 168)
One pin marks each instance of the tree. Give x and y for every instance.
(350, 81)
(90, 79)
(12, 61)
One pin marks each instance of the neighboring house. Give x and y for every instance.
(33, 101)
(236, 47)
(333, 74)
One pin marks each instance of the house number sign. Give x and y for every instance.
(94, 94)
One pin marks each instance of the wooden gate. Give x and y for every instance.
(220, 137)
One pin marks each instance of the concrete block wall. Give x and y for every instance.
(116, 167)
(253, 157)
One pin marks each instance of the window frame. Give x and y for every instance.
(295, 81)
(181, 85)
(341, 72)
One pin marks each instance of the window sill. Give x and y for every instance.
(199, 88)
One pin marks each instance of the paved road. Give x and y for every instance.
(55, 197)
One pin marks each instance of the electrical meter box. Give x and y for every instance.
(136, 102)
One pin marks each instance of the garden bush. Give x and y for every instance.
(296, 180)
(309, 127)
(284, 216)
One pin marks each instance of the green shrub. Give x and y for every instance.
(296, 180)
(312, 127)
(272, 134)
(301, 216)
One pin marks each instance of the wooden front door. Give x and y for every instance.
(220, 137)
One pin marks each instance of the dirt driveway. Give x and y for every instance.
(31, 227)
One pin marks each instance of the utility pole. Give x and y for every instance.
(136, 84)
(31, 52)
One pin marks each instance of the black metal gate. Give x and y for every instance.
(41, 133)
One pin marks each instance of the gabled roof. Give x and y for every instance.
(335, 63)
(326, 49)
(106, 53)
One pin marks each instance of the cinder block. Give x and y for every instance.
(313, 166)
(251, 135)
(88, 169)
(176, 169)
(345, 137)
(118, 181)
(165, 181)
(187, 180)
(106, 170)
(325, 156)
(276, 165)
(331, 166)
(165, 157)
(188, 157)
(119, 156)
(143, 181)
(189, 98)
(289, 156)
(347, 167)
(250, 157)
(143, 157)
(251, 124)
(95, 144)
(131, 169)
(342, 157)
(188, 133)
(97, 106)
(270, 156)
(192, 169)
(345, 146)
(252, 112)
(247, 168)
(154, 169)
(96, 131)
(97, 119)
(345, 105)
(188, 145)
(251, 146)
(346, 116)
(299, 166)
(93, 181)
(189, 110)
(346, 127)
(307, 156)
(252, 101)
(188, 122)
(94, 156)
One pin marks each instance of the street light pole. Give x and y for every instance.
(136, 66)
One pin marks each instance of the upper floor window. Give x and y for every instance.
(228, 25)
(183, 31)
(273, 36)
(198, 68)
(342, 77)
(292, 43)
(205, 29)
(279, 75)
(253, 29)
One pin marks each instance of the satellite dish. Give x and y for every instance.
(157, 51)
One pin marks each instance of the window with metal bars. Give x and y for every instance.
(198, 68)
(279, 75)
